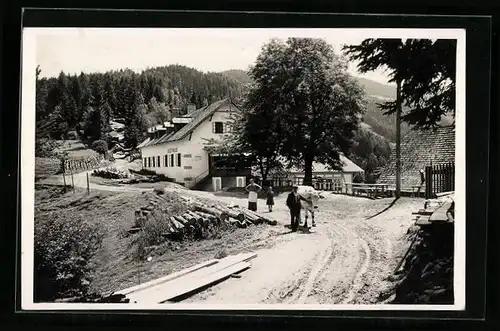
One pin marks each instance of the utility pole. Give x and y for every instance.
(398, 138)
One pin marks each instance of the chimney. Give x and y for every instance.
(191, 107)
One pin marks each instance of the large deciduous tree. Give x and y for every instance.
(303, 104)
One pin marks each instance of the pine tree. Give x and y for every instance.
(136, 124)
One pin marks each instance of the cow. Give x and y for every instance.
(309, 202)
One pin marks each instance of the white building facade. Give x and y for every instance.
(179, 150)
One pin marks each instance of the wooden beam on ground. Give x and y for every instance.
(197, 284)
(169, 289)
(440, 215)
(168, 277)
(423, 221)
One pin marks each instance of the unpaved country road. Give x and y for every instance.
(346, 259)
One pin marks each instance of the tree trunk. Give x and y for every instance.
(261, 166)
(308, 171)
(398, 139)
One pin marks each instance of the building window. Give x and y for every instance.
(158, 159)
(188, 167)
(149, 162)
(154, 165)
(165, 160)
(145, 162)
(171, 160)
(218, 127)
(187, 156)
(178, 159)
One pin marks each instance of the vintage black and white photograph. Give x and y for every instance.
(176, 168)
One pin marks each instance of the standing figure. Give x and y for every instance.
(253, 190)
(422, 179)
(293, 203)
(270, 198)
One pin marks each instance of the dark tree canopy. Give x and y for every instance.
(426, 69)
(303, 104)
(86, 103)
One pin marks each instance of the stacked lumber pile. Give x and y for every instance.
(179, 285)
(198, 218)
(439, 210)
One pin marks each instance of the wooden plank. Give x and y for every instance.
(167, 278)
(165, 292)
(441, 213)
(149, 291)
(442, 194)
(423, 221)
(423, 212)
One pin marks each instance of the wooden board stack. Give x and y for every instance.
(179, 285)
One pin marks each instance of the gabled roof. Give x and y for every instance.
(420, 148)
(348, 166)
(197, 117)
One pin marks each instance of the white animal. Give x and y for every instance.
(310, 201)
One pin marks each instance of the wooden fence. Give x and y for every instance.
(439, 178)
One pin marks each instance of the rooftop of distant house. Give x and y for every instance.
(193, 119)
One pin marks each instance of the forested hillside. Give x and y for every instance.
(81, 106)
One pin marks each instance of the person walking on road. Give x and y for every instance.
(253, 189)
(270, 198)
(293, 203)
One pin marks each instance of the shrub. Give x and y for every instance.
(64, 246)
(46, 147)
(100, 146)
(110, 173)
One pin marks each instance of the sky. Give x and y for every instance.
(98, 50)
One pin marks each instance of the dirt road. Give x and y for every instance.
(346, 259)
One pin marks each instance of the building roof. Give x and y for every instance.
(348, 166)
(420, 148)
(197, 117)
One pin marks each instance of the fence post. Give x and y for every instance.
(88, 186)
(428, 182)
(72, 182)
